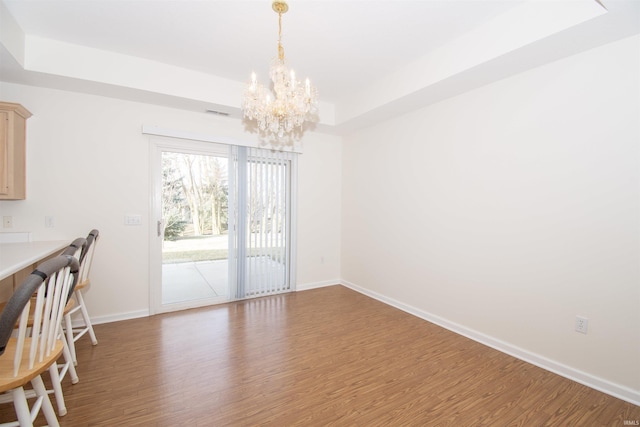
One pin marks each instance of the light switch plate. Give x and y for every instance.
(132, 219)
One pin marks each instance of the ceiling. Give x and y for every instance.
(367, 58)
(232, 38)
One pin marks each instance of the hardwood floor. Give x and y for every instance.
(326, 356)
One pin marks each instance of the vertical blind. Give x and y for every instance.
(263, 222)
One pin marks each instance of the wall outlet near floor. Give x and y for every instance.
(7, 221)
(49, 221)
(581, 324)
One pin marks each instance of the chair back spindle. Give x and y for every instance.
(50, 283)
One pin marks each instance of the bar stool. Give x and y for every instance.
(75, 333)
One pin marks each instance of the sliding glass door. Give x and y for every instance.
(224, 223)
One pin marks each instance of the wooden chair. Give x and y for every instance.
(25, 357)
(68, 366)
(75, 250)
(75, 333)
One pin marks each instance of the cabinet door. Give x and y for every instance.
(4, 152)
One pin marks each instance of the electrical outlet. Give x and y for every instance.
(581, 324)
(7, 221)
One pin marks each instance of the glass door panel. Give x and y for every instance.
(195, 242)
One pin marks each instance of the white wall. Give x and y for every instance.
(507, 211)
(88, 166)
(319, 213)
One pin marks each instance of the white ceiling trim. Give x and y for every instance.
(492, 50)
(525, 24)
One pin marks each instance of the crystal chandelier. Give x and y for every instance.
(293, 102)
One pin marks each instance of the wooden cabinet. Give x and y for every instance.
(13, 124)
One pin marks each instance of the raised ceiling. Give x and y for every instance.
(368, 59)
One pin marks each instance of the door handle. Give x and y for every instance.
(159, 228)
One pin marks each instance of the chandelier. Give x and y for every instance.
(293, 103)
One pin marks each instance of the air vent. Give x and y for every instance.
(219, 113)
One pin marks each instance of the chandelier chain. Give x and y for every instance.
(280, 48)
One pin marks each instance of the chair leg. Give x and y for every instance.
(22, 407)
(85, 316)
(71, 368)
(57, 389)
(47, 408)
(70, 340)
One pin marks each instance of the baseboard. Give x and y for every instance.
(314, 285)
(584, 378)
(118, 317)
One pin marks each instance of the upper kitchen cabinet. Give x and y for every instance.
(13, 123)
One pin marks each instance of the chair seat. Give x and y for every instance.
(82, 285)
(8, 381)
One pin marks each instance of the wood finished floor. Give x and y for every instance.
(323, 357)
